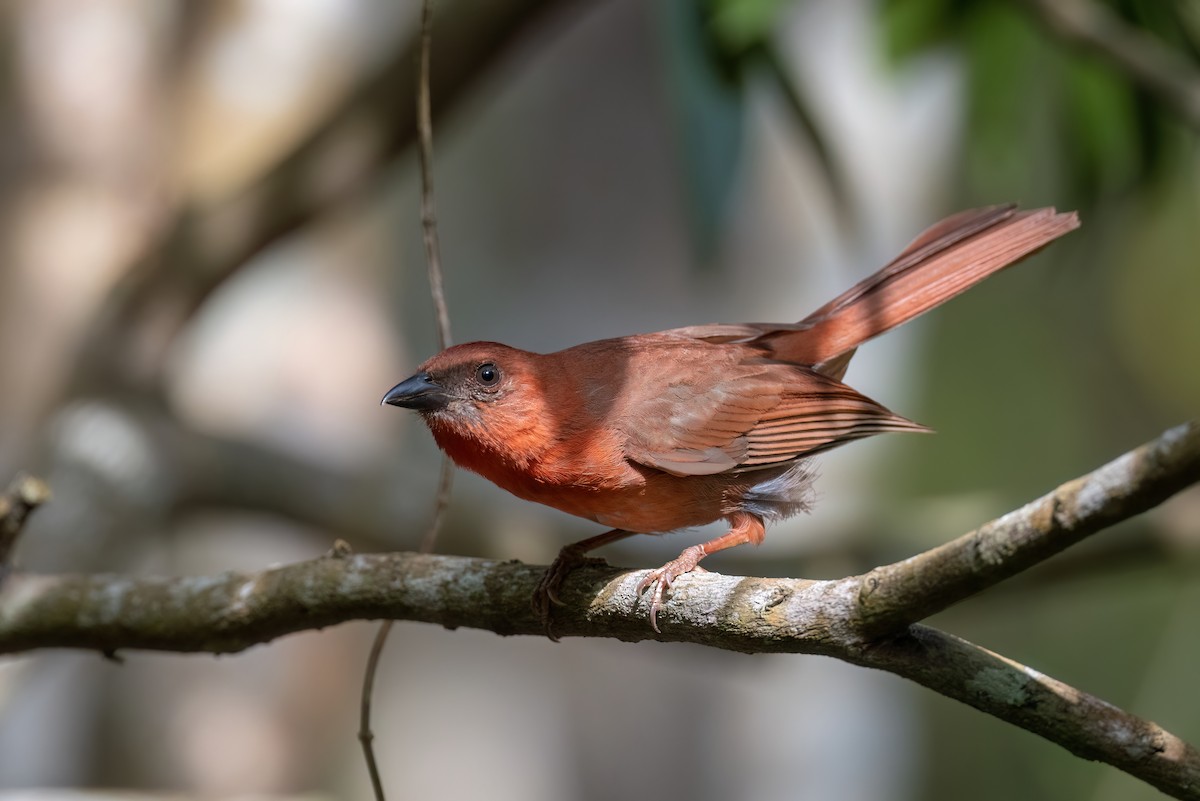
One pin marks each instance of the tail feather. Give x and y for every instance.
(945, 260)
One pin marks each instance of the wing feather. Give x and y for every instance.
(759, 415)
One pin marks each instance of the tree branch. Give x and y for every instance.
(859, 619)
(236, 611)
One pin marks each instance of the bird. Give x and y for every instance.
(651, 433)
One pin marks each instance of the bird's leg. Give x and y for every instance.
(570, 557)
(744, 527)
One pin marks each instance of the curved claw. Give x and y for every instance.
(545, 595)
(662, 579)
(660, 583)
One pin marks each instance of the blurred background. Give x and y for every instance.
(212, 270)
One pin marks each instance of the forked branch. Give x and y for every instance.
(916, 588)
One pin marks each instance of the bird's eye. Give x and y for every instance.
(487, 374)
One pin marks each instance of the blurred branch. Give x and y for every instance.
(433, 256)
(202, 247)
(1174, 80)
(361, 506)
(860, 619)
(433, 250)
(840, 188)
(16, 505)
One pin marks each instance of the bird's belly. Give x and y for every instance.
(625, 495)
(661, 502)
(641, 500)
(646, 510)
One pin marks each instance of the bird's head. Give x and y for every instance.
(485, 393)
(462, 381)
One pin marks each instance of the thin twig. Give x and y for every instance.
(440, 504)
(433, 252)
(366, 736)
(24, 495)
(433, 255)
(433, 259)
(1162, 72)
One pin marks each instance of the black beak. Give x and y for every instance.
(419, 392)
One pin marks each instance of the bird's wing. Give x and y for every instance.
(758, 415)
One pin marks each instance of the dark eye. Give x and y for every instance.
(487, 374)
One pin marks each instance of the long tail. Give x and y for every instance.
(947, 259)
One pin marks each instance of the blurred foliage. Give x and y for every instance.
(717, 53)
(1042, 119)
(1089, 129)
(743, 25)
(710, 105)
(1153, 305)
